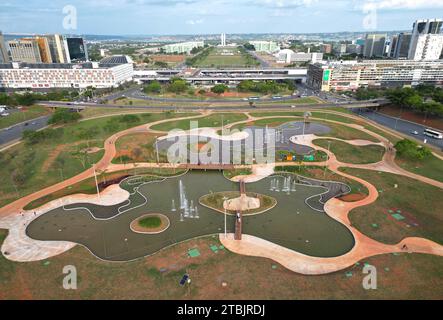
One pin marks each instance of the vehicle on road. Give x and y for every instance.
(433, 134)
(415, 133)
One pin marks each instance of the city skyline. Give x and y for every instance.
(188, 17)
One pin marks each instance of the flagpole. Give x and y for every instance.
(96, 182)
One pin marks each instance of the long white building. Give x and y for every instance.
(351, 75)
(110, 72)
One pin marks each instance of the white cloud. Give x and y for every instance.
(401, 4)
(194, 22)
(281, 4)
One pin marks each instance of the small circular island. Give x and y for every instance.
(152, 223)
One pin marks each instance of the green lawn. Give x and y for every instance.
(27, 169)
(212, 121)
(431, 167)
(353, 154)
(150, 222)
(418, 200)
(23, 115)
(237, 172)
(407, 276)
(217, 58)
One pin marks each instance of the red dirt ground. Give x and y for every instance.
(168, 58)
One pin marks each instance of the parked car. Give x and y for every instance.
(184, 280)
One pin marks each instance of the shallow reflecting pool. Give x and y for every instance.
(106, 232)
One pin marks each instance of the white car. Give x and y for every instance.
(415, 133)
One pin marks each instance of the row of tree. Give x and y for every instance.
(424, 99)
(30, 98)
(178, 85)
(265, 87)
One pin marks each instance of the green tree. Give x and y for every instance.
(62, 116)
(153, 87)
(178, 85)
(219, 89)
(411, 150)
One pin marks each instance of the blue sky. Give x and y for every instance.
(127, 17)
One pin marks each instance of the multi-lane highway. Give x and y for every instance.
(14, 133)
(408, 128)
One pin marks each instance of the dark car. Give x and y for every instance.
(184, 280)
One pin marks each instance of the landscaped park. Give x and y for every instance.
(100, 193)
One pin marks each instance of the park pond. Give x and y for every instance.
(296, 222)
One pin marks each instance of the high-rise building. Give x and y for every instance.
(4, 55)
(393, 46)
(426, 40)
(25, 50)
(326, 48)
(401, 49)
(43, 47)
(265, 46)
(58, 48)
(375, 45)
(223, 40)
(77, 49)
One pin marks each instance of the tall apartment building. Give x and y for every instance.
(326, 48)
(43, 47)
(77, 49)
(58, 48)
(393, 46)
(426, 40)
(401, 48)
(351, 75)
(25, 50)
(4, 55)
(375, 45)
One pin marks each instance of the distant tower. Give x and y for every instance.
(223, 40)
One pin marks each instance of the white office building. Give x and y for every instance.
(110, 72)
(184, 47)
(426, 40)
(351, 75)
(265, 46)
(288, 56)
